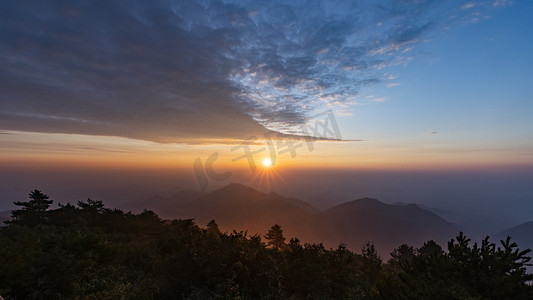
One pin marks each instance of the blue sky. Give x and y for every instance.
(470, 86)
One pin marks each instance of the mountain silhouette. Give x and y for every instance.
(385, 225)
(521, 234)
(475, 224)
(240, 207)
(165, 207)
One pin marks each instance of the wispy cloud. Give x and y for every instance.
(468, 5)
(378, 99)
(196, 70)
(502, 3)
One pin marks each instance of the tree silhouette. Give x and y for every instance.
(32, 213)
(275, 237)
(369, 269)
(212, 228)
(91, 205)
(93, 252)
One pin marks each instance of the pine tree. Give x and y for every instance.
(275, 237)
(33, 212)
(212, 228)
(91, 205)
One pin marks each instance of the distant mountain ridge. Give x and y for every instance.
(475, 225)
(386, 225)
(165, 207)
(521, 234)
(240, 207)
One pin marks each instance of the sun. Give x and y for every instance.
(267, 163)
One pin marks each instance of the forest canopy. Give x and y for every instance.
(89, 251)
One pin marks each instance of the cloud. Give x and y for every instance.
(502, 3)
(378, 99)
(186, 71)
(468, 5)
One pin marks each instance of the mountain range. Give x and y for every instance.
(354, 223)
(387, 226)
(521, 234)
(165, 207)
(475, 225)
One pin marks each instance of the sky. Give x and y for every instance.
(180, 89)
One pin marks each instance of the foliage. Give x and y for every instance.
(89, 251)
(275, 237)
(32, 212)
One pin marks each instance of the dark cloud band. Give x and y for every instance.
(176, 71)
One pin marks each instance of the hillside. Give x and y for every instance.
(240, 207)
(237, 206)
(387, 226)
(521, 234)
(165, 207)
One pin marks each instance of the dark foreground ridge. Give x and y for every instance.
(89, 251)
